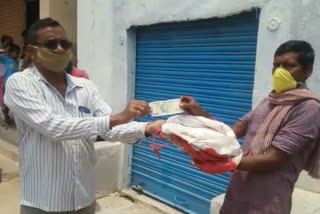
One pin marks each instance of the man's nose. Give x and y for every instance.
(59, 49)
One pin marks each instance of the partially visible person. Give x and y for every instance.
(6, 41)
(10, 65)
(24, 61)
(281, 137)
(76, 72)
(1, 81)
(14, 52)
(11, 61)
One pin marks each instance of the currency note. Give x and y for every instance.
(165, 107)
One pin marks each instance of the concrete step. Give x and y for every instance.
(147, 201)
(9, 150)
(9, 142)
(10, 197)
(10, 169)
(115, 204)
(9, 134)
(303, 201)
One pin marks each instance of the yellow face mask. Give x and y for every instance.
(283, 81)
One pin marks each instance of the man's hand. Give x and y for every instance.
(152, 127)
(240, 129)
(135, 109)
(191, 107)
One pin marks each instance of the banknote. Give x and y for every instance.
(165, 107)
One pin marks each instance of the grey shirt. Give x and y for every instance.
(270, 192)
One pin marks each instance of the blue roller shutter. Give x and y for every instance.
(212, 60)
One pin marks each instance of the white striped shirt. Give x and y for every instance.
(56, 136)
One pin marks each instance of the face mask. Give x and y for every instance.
(283, 81)
(53, 62)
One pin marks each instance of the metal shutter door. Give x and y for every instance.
(212, 60)
(13, 19)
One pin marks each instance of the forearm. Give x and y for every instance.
(240, 129)
(127, 133)
(60, 128)
(263, 162)
(204, 113)
(116, 120)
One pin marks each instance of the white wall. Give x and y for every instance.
(95, 33)
(105, 48)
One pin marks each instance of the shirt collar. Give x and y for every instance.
(72, 82)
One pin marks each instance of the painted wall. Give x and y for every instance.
(106, 50)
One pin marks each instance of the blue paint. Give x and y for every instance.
(212, 60)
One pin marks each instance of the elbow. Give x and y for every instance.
(53, 136)
(276, 163)
(51, 132)
(278, 157)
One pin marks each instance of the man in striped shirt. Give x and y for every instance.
(58, 118)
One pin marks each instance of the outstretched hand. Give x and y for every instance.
(191, 107)
(135, 109)
(153, 127)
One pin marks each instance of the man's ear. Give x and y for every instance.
(31, 52)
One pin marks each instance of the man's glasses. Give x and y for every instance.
(53, 44)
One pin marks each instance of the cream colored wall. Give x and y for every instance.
(65, 12)
(44, 9)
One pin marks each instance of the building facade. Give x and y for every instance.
(221, 52)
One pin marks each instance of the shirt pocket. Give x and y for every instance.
(84, 111)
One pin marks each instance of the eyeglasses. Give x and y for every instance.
(53, 44)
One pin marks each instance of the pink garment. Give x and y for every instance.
(79, 73)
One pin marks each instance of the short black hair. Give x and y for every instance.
(14, 48)
(38, 25)
(6, 41)
(302, 48)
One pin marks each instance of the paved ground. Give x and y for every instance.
(121, 205)
(10, 195)
(10, 169)
(113, 204)
(8, 134)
